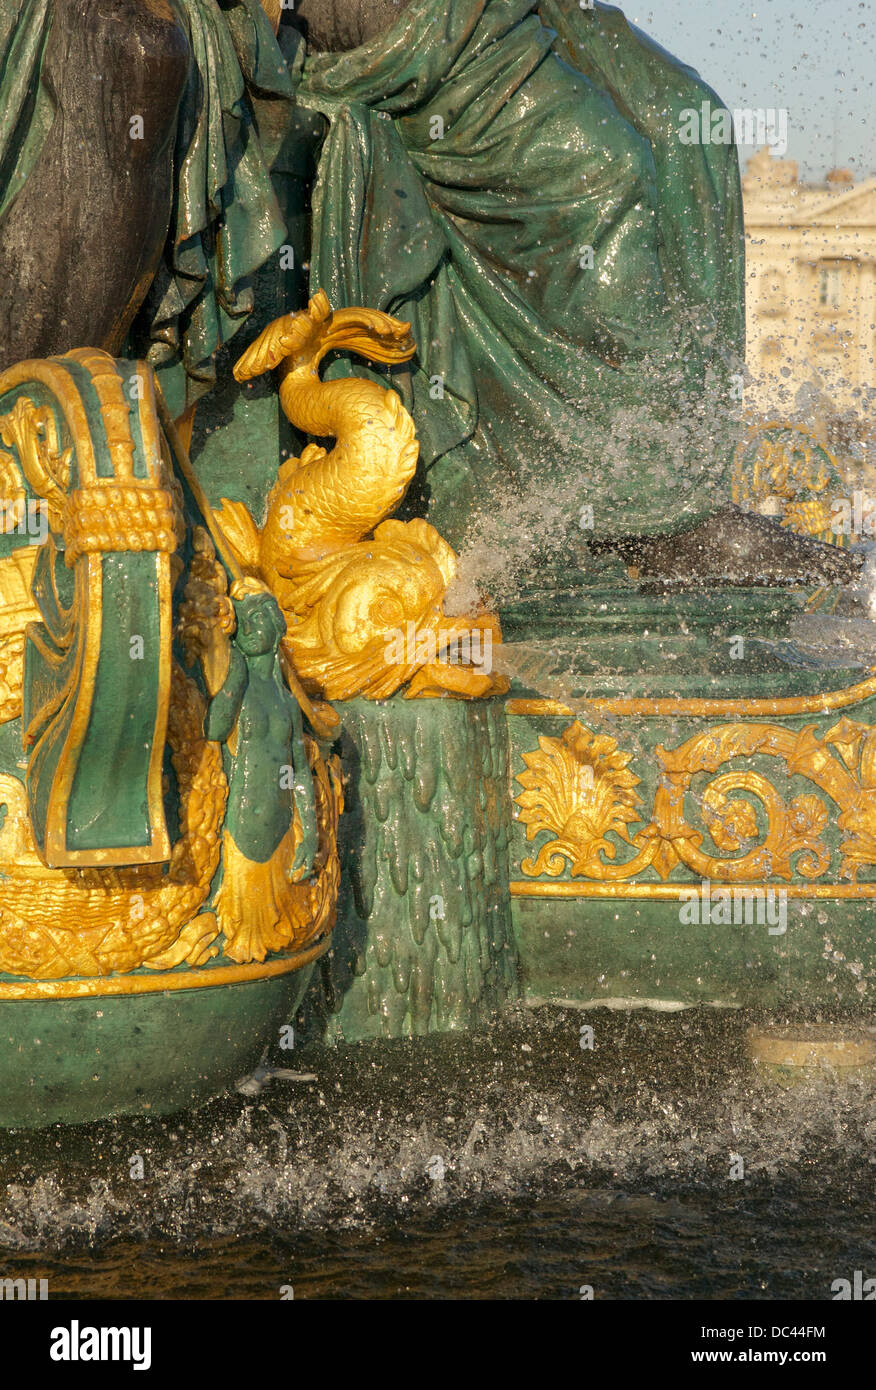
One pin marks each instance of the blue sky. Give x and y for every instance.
(816, 58)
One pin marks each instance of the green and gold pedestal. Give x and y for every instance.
(669, 808)
(156, 927)
(694, 812)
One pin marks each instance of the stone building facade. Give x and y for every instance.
(811, 307)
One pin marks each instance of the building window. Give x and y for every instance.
(830, 285)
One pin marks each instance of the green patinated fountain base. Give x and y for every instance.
(648, 754)
(748, 770)
(716, 756)
(629, 953)
(75, 1060)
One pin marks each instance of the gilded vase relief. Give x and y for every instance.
(786, 472)
(580, 790)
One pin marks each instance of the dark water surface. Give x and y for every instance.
(511, 1164)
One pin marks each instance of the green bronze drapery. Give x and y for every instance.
(474, 153)
(507, 174)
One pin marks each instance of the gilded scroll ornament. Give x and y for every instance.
(32, 431)
(579, 789)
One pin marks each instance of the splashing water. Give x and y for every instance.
(524, 523)
(402, 1156)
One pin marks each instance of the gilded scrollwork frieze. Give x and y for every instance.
(581, 790)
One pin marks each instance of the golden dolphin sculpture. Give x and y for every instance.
(362, 595)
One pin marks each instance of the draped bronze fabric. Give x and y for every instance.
(508, 175)
(478, 154)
